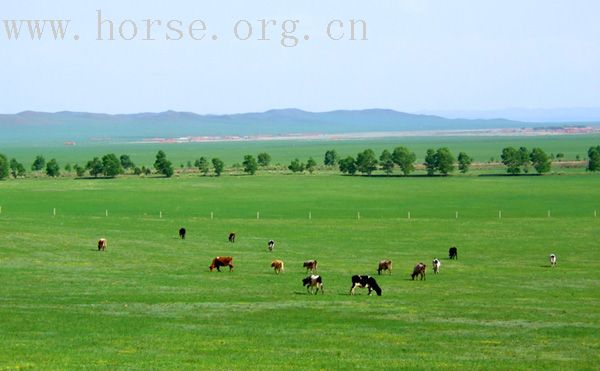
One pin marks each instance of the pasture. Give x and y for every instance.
(149, 301)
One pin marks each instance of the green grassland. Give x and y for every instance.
(482, 149)
(149, 301)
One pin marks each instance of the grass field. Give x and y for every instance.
(149, 301)
(482, 149)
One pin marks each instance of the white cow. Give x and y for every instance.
(552, 260)
(436, 266)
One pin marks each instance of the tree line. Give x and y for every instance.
(517, 161)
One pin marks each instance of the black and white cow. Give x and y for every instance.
(436, 265)
(365, 282)
(313, 283)
(552, 260)
(271, 245)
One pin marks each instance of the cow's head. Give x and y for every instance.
(306, 281)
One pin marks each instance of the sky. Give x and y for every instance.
(420, 55)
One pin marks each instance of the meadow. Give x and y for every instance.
(481, 148)
(150, 302)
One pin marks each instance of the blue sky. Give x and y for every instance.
(420, 56)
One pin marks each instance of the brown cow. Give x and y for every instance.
(232, 237)
(102, 244)
(310, 265)
(277, 265)
(222, 261)
(419, 270)
(384, 265)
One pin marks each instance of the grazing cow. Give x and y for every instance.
(453, 253)
(310, 265)
(102, 244)
(277, 265)
(552, 260)
(182, 233)
(231, 237)
(221, 261)
(436, 266)
(419, 270)
(313, 283)
(271, 245)
(365, 282)
(384, 265)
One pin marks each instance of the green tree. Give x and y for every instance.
(38, 163)
(366, 162)
(311, 164)
(524, 159)
(264, 159)
(296, 166)
(386, 161)
(430, 162)
(79, 170)
(348, 165)
(162, 165)
(52, 168)
(68, 168)
(464, 162)
(444, 161)
(540, 160)
(250, 164)
(126, 162)
(4, 166)
(405, 159)
(593, 159)
(95, 167)
(331, 158)
(111, 165)
(137, 171)
(16, 168)
(218, 166)
(202, 165)
(511, 159)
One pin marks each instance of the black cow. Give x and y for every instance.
(453, 253)
(182, 233)
(231, 237)
(313, 283)
(366, 282)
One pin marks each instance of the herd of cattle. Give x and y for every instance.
(314, 282)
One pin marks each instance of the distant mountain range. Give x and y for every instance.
(32, 126)
(547, 115)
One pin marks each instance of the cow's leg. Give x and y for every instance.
(218, 268)
(352, 289)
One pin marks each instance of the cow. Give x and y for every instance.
(221, 261)
(365, 282)
(436, 266)
(313, 283)
(182, 233)
(552, 260)
(231, 237)
(102, 244)
(310, 265)
(277, 265)
(419, 270)
(384, 265)
(453, 253)
(271, 245)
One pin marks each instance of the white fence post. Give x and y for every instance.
(160, 214)
(548, 213)
(310, 215)
(499, 214)
(211, 215)
(257, 215)
(358, 215)
(457, 215)
(54, 212)
(106, 212)
(409, 215)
